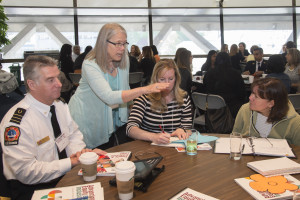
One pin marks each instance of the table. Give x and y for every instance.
(208, 173)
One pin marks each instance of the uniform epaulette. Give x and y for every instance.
(61, 99)
(18, 115)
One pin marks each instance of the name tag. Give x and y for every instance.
(62, 141)
(42, 141)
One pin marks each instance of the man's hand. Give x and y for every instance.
(75, 158)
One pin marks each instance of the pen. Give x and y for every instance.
(243, 149)
(162, 130)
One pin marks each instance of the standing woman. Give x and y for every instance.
(184, 61)
(65, 60)
(235, 58)
(135, 52)
(147, 63)
(292, 68)
(99, 104)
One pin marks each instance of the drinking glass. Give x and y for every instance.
(235, 146)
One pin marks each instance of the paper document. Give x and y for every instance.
(260, 146)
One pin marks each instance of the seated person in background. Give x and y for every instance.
(155, 53)
(79, 60)
(155, 117)
(76, 52)
(243, 52)
(251, 56)
(257, 67)
(66, 87)
(269, 113)
(275, 68)
(227, 82)
(292, 68)
(210, 61)
(30, 129)
(286, 46)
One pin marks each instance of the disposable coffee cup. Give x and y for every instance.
(88, 162)
(251, 79)
(125, 179)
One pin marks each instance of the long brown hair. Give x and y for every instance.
(158, 104)
(100, 51)
(233, 50)
(273, 89)
(295, 56)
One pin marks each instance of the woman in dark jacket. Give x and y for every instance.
(184, 61)
(210, 61)
(227, 82)
(65, 60)
(147, 63)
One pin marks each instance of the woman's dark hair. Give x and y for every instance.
(183, 60)
(65, 51)
(88, 49)
(275, 64)
(290, 44)
(209, 55)
(178, 51)
(154, 50)
(223, 61)
(243, 43)
(273, 89)
(147, 52)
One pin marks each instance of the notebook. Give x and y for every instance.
(276, 166)
(259, 146)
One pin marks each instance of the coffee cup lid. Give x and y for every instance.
(125, 166)
(88, 157)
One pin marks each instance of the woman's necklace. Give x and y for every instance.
(112, 70)
(162, 119)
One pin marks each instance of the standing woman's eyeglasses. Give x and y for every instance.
(119, 45)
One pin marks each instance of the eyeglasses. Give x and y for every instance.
(119, 45)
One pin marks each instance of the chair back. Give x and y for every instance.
(295, 100)
(75, 78)
(214, 101)
(135, 77)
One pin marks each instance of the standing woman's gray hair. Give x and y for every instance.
(100, 50)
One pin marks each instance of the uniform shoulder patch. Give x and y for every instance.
(18, 115)
(11, 135)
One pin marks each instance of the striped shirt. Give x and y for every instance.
(175, 117)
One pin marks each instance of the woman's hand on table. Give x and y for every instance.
(161, 138)
(180, 133)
